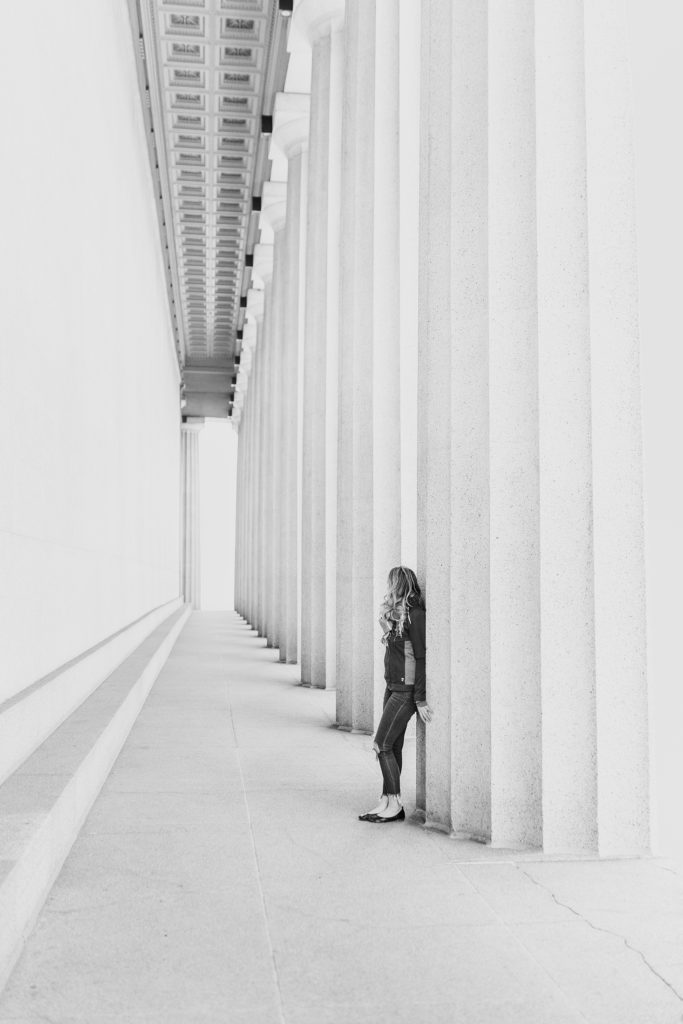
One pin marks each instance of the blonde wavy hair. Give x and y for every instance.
(403, 593)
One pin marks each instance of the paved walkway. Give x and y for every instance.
(223, 876)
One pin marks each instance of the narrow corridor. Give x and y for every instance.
(223, 876)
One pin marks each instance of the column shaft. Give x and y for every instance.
(239, 521)
(257, 384)
(334, 204)
(320, 364)
(265, 547)
(516, 813)
(453, 434)
(566, 540)
(355, 592)
(350, 296)
(294, 248)
(386, 325)
(275, 495)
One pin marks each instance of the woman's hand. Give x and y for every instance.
(425, 712)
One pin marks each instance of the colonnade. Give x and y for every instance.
(440, 367)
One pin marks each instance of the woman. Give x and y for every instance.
(402, 618)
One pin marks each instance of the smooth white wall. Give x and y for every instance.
(217, 486)
(89, 439)
(657, 49)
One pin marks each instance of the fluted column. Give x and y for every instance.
(243, 440)
(516, 818)
(453, 428)
(273, 214)
(321, 24)
(189, 512)
(369, 488)
(290, 136)
(386, 324)
(594, 688)
(529, 447)
(248, 367)
(263, 269)
(240, 513)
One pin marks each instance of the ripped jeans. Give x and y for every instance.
(399, 708)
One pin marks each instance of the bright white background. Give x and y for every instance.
(217, 467)
(89, 416)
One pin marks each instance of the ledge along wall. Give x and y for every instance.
(89, 444)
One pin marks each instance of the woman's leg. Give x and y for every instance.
(398, 711)
(398, 750)
(384, 799)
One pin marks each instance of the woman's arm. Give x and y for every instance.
(417, 638)
(416, 632)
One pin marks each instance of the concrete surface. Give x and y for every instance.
(223, 876)
(44, 804)
(32, 715)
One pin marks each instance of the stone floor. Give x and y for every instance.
(223, 876)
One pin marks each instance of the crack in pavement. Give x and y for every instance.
(259, 877)
(607, 931)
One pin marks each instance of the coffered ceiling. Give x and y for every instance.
(209, 70)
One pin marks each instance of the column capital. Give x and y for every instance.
(313, 19)
(291, 121)
(245, 362)
(248, 345)
(273, 205)
(255, 301)
(263, 262)
(192, 424)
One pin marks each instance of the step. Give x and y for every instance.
(28, 718)
(45, 801)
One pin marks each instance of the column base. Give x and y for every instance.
(437, 826)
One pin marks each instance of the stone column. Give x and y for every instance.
(453, 487)
(290, 136)
(189, 511)
(369, 494)
(356, 319)
(240, 420)
(263, 269)
(386, 324)
(594, 691)
(409, 222)
(321, 24)
(516, 813)
(247, 367)
(240, 499)
(530, 459)
(273, 214)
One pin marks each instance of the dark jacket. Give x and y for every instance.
(404, 657)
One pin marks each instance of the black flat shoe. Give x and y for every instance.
(377, 820)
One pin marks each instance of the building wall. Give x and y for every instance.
(657, 34)
(89, 441)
